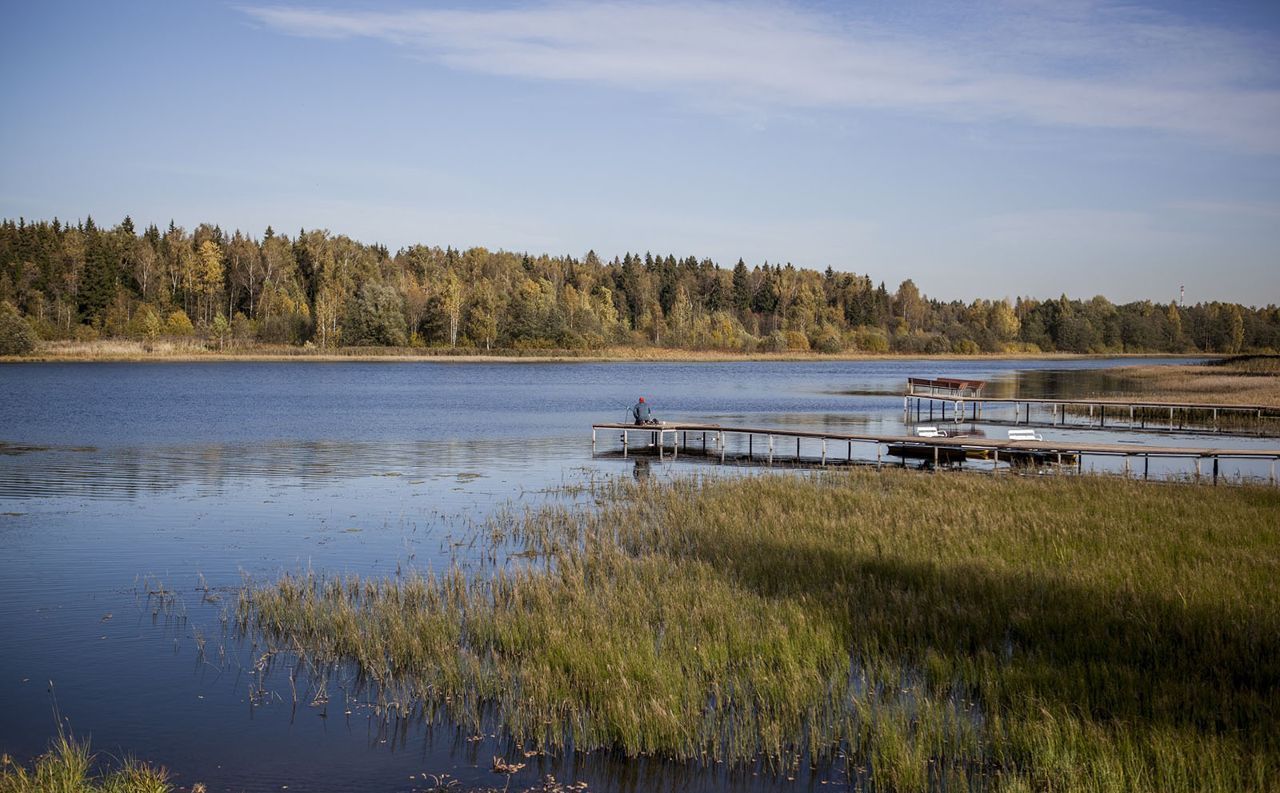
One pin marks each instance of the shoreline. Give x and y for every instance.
(134, 353)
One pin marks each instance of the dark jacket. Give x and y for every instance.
(641, 412)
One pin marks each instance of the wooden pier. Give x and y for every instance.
(920, 405)
(770, 446)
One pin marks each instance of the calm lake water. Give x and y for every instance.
(116, 476)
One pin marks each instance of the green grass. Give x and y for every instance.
(68, 768)
(936, 632)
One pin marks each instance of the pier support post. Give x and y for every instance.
(1215, 470)
(770, 450)
(995, 461)
(880, 462)
(662, 442)
(797, 449)
(824, 452)
(1146, 466)
(593, 441)
(624, 444)
(1197, 469)
(720, 438)
(1126, 466)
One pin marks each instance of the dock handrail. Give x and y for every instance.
(945, 386)
(970, 442)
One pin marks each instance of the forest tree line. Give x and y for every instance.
(84, 281)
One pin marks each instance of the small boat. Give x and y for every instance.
(923, 451)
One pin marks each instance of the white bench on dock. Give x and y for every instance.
(1024, 435)
(930, 432)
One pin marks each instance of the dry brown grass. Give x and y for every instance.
(1252, 380)
(118, 350)
(178, 350)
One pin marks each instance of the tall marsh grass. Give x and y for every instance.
(951, 632)
(1250, 380)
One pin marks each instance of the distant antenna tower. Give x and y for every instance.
(1182, 294)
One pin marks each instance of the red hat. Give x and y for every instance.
(641, 399)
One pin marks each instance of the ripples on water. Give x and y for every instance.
(115, 477)
(129, 472)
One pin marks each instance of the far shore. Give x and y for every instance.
(191, 352)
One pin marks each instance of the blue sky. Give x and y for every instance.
(996, 149)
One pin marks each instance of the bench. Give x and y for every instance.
(930, 432)
(1024, 435)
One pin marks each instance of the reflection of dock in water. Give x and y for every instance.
(774, 446)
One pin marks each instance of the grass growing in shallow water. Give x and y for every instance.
(943, 631)
(67, 768)
(1242, 380)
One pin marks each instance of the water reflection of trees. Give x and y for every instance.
(126, 473)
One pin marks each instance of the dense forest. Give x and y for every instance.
(84, 281)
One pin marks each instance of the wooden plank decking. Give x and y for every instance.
(966, 442)
(994, 448)
(1145, 415)
(1108, 401)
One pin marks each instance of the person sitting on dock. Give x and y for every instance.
(642, 413)
(644, 416)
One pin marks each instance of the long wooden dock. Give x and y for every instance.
(775, 445)
(1097, 413)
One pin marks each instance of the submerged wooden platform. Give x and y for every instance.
(775, 446)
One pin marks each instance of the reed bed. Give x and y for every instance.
(1253, 380)
(197, 349)
(941, 632)
(119, 349)
(68, 768)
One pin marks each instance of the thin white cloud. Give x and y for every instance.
(1076, 64)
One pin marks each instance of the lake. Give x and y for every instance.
(117, 480)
